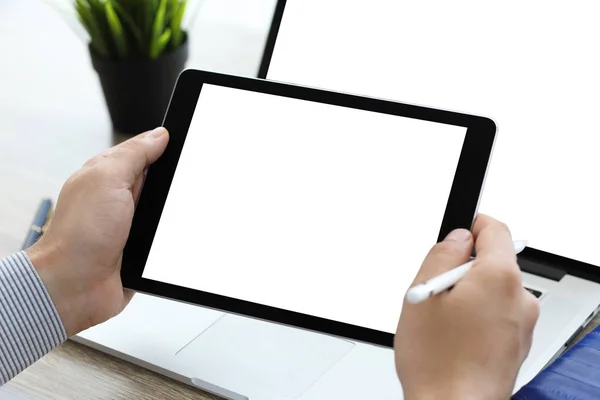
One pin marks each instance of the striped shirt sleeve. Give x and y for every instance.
(30, 326)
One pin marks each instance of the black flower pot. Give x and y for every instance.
(137, 92)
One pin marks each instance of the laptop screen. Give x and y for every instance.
(530, 66)
(304, 206)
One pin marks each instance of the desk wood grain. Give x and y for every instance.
(74, 371)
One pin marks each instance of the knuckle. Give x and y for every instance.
(94, 160)
(506, 274)
(533, 307)
(98, 158)
(502, 226)
(71, 181)
(77, 180)
(130, 150)
(95, 176)
(504, 264)
(95, 172)
(512, 278)
(132, 143)
(444, 248)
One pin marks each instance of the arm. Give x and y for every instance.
(70, 279)
(29, 323)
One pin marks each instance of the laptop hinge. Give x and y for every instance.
(543, 270)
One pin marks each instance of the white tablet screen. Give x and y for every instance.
(319, 209)
(530, 66)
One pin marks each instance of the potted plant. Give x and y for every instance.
(138, 48)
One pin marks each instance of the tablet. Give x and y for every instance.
(300, 206)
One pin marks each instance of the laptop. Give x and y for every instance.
(506, 60)
(559, 267)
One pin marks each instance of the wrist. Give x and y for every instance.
(442, 396)
(451, 393)
(455, 393)
(52, 269)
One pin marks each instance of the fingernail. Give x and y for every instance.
(459, 235)
(156, 133)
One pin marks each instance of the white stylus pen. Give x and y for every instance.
(445, 281)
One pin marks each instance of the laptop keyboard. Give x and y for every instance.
(534, 292)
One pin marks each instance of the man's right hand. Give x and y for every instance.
(469, 342)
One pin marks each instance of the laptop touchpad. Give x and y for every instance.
(260, 359)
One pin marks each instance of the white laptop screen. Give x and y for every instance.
(530, 66)
(319, 209)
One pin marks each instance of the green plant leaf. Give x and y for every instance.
(83, 13)
(177, 36)
(174, 4)
(116, 29)
(129, 29)
(161, 43)
(170, 10)
(131, 24)
(97, 9)
(98, 13)
(151, 6)
(157, 29)
(97, 40)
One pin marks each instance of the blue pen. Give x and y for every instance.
(40, 219)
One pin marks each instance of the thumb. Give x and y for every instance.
(453, 251)
(133, 156)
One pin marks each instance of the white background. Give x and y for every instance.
(532, 66)
(319, 209)
(51, 102)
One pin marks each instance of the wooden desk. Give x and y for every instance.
(74, 371)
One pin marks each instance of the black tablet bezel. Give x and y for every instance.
(460, 211)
